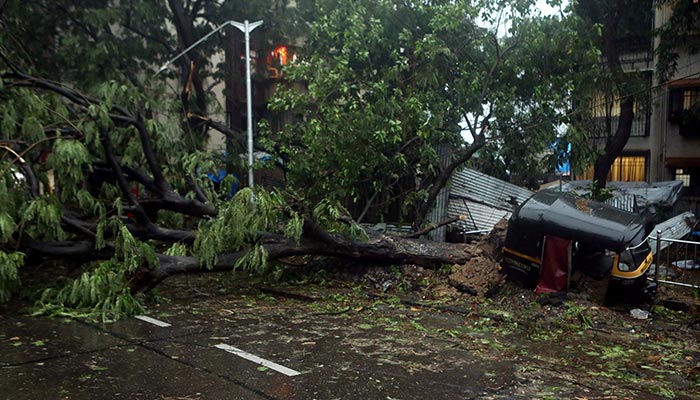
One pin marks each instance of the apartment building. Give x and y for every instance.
(665, 138)
(676, 119)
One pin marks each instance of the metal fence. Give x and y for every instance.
(627, 202)
(676, 262)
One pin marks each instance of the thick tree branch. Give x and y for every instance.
(185, 31)
(123, 184)
(384, 250)
(432, 227)
(66, 249)
(446, 173)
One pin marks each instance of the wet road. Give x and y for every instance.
(289, 351)
(216, 342)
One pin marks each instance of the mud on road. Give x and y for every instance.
(412, 339)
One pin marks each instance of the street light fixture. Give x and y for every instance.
(246, 28)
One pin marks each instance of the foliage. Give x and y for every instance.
(679, 32)
(100, 293)
(390, 85)
(238, 223)
(549, 68)
(244, 221)
(9, 276)
(608, 102)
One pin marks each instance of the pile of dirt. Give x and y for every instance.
(479, 276)
(496, 239)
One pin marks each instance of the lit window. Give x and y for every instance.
(682, 175)
(280, 54)
(624, 169)
(691, 98)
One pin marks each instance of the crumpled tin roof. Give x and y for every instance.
(647, 195)
(477, 217)
(677, 228)
(482, 199)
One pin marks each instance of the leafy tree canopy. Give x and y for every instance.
(679, 33)
(109, 168)
(389, 84)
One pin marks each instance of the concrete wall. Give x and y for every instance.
(665, 140)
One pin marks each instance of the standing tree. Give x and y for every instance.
(399, 96)
(615, 91)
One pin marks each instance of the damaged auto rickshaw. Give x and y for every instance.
(554, 234)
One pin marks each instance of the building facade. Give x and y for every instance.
(676, 118)
(664, 143)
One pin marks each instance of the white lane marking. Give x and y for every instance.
(152, 321)
(251, 357)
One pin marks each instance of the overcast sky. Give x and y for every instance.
(549, 10)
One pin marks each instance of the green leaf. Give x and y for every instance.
(32, 130)
(7, 227)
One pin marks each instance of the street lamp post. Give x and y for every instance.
(246, 28)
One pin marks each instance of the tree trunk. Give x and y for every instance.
(615, 143)
(444, 176)
(380, 250)
(614, 146)
(184, 26)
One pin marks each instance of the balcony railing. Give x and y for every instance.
(633, 50)
(640, 125)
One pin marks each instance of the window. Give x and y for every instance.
(630, 168)
(277, 58)
(605, 110)
(684, 109)
(609, 106)
(691, 97)
(682, 175)
(682, 101)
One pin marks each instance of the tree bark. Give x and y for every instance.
(614, 146)
(380, 250)
(184, 26)
(444, 176)
(616, 142)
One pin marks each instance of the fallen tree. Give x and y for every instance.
(376, 118)
(113, 205)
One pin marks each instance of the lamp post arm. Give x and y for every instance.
(182, 53)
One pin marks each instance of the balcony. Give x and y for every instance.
(606, 126)
(684, 110)
(634, 50)
(688, 122)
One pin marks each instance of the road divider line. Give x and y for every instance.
(152, 321)
(252, 357)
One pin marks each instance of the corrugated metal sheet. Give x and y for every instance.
(627, 202)
(482, 199)
(484, 189)
(647, 195)
(439, 211)
(677, 227)
(477, 216)
(389, 228)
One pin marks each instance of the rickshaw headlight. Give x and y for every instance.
(624, 267)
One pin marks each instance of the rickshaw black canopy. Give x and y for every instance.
(568, 216)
